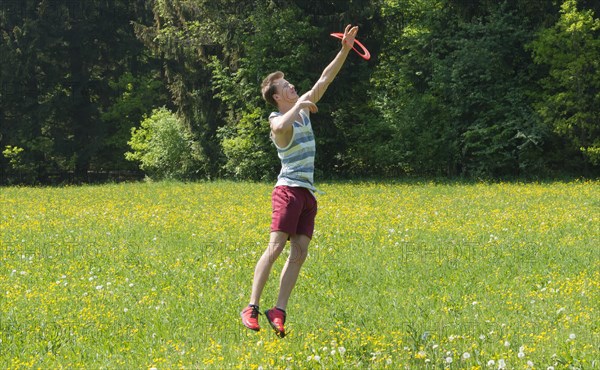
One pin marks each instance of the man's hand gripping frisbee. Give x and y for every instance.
(349, 40)
(349, 36)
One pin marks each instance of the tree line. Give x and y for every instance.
(475, 89)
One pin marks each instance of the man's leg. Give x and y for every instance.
(265, 263)
(250, 314)
(291, 270)
(289, 275)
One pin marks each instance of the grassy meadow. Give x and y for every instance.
(399, 275)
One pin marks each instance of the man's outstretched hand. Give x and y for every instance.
(349, 36)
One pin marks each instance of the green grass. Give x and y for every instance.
(418, 275)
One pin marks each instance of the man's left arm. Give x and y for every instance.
(329, 73)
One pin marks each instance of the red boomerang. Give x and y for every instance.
(365, 53)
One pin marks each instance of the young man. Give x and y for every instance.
(293, 201)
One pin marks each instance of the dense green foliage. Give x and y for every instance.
(74, 80)
(571, 101)
(164, 147)
(475, 89)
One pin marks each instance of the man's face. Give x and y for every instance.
(285, 91)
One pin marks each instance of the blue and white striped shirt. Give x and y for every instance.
(298, 157)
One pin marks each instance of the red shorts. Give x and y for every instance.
(294, 210)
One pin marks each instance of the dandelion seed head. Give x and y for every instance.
(501, 364)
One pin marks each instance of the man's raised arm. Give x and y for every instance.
(329, 73)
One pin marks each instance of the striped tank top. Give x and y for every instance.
(298, 157)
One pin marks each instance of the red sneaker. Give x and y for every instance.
(250, 317)
(276, 318)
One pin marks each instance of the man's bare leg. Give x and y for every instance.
(291, 270)
(265, 263)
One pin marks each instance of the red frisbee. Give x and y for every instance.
(364, 54)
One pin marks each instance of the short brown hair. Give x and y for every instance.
(268, 88)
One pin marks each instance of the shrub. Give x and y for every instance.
(165, 148)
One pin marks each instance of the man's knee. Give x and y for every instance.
(277, 242)
(299, 251)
